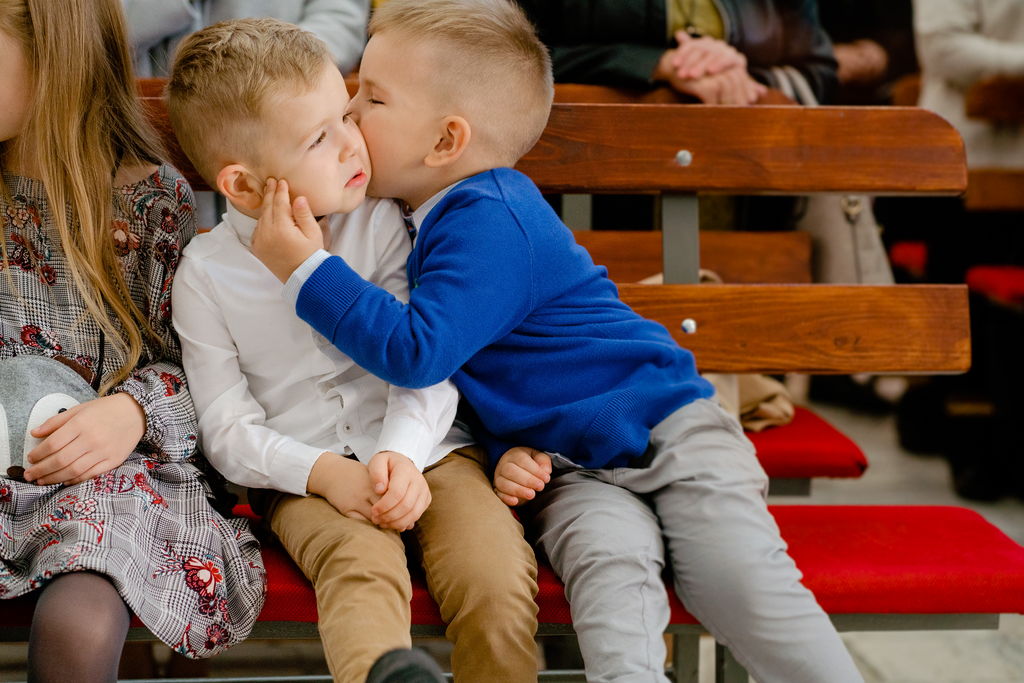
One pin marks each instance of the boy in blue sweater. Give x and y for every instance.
(633, 457)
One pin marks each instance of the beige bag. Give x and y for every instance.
(846, 238)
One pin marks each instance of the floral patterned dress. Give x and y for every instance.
(194, 578)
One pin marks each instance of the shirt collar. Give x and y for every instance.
(242, 225)
(420, 214)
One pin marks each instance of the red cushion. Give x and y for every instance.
(910, 256)
(1001, 283)
(904, 559)
(808, 447)
(870, 559)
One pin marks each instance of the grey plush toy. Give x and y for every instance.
(32, 390)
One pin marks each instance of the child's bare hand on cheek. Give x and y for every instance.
(286, 234)
(521, 474)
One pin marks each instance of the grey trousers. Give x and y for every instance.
(701, 499)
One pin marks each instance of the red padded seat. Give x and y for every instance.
(904, 559)
(1004, 284)
(911, 257)
(808, 447)
(857, 559)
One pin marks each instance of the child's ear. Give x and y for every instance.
(240, 187)
(453, 141)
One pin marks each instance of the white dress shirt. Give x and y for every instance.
(271, 393)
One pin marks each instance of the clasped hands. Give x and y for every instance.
(709, 69)
(389, 491)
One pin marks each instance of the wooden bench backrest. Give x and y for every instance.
(756, 328)
(746, 150)
(736, 150)
(736, 257)
(999, 100)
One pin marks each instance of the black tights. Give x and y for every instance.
(78, 630)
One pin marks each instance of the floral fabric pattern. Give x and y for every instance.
(192, 576)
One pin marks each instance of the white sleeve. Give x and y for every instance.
(231, 422)
(950, 46)
(417, 419)
(342, 25)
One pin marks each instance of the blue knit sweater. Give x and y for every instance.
(506, 303)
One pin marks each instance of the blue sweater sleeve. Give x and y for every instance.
(473, 283)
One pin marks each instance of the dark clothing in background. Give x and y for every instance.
(890, 23)
(619, 42)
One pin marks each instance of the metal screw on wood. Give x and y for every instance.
(684, 157)
(689, 325)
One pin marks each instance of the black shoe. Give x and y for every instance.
(405, 666)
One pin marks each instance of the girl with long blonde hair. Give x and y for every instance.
(111, 515)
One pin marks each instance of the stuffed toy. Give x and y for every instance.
(32, 390)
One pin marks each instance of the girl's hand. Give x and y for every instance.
(86, 441)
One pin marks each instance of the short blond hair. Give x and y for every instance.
(491, 62)
(222, 78)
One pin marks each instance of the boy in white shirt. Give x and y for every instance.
(279, 407)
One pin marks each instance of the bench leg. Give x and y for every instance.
(727, 669)
(685, 657)
(680, 225)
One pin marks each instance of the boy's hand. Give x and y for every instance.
(521, 474)
(344, 483)
(403, 490)
(286, 234)
(86, 441)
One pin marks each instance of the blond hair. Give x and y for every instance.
(490, 62)
(84, 121)
(222, 78)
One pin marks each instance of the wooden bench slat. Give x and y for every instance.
(999, 99)
(741, 257)
(814, 328)
(747, 150)
(737, 150)
(995, 189)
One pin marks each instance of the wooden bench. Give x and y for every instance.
(794, 454)
(1000, 100)
(871, 567)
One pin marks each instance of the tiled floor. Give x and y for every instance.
(894, 477)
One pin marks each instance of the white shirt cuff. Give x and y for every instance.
(302, 273)
(407, 436)
(292, 466)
